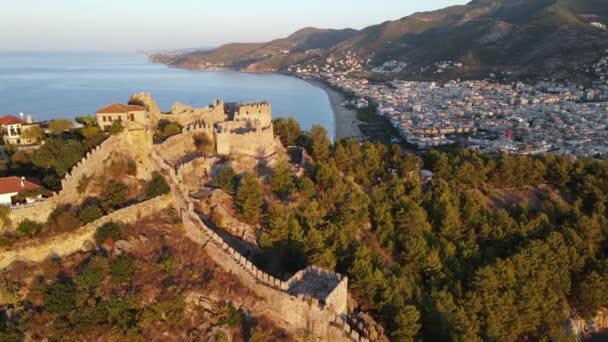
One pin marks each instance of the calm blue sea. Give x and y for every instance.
(51, 85)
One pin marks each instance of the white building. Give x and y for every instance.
(11, 186)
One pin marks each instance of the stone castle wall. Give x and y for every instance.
(261, 111)
(296, 309)
(257, 143)
(86, 167)
(72, 242)
(37, 212)
(92, 161)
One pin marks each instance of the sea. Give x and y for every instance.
(51, 85)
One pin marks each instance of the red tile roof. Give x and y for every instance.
(13, 184)
(10, 120)
(120, 108)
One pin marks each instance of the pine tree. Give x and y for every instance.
(319, 143)
(280, 181)
(249, 198)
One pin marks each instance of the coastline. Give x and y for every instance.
(346, 124)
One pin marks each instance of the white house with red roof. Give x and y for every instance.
(11, 186)
(12, 129)
(128, 115)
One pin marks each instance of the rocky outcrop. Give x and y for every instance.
(583, 329)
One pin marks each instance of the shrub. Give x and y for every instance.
(204, 144)
(92, 273)
(117, 128)
(171, 311)
(166, 128)
(131, 167)
(63, 219)
(121, 269)
(90, 213)
(59, 298)
(227, 314)
(109, 230)
(157, 186)
(113, 196)
(29, 227)
(59, 126)
(166, 262)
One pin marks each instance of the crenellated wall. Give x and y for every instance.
(86, 167)
(72, 242)
(257, 111)
(298, 309)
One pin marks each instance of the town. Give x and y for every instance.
(563, 118)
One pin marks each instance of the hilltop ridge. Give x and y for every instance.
(525, 38)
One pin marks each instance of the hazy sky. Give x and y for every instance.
(155, 24)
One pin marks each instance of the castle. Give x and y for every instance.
(235, 128)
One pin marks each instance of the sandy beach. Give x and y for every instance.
(346, 124)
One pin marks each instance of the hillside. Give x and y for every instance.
(527, 38)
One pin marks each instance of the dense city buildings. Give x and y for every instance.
(563, 118)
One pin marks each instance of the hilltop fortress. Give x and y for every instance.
(234, 128)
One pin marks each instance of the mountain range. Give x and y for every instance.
(527, 38)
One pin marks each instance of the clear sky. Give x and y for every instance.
(123, 25)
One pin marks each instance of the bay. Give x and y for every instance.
(60, 84)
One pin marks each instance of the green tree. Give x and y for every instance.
(225, 179)
(87, 120)
(280, 180)
(276, 227)
(288, 130)
(249, 198)
(32, 133)
(59, 126)
(306, 187)
(592, 294)
(319, 143)
(60, 298)
(58, 154)
(406, 322)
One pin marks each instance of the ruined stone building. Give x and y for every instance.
(234, 128)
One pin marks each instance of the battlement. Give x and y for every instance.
(261, 111)
(327, 287)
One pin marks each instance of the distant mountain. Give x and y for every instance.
(525, 37)
(242, 55)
